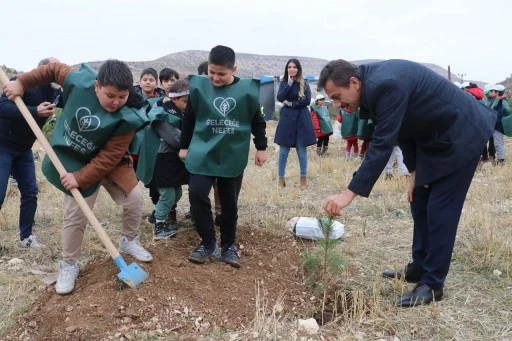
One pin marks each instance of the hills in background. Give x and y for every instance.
(251, 65)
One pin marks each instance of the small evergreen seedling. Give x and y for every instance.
(323, 263)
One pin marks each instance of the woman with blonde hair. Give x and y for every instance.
(295, 127)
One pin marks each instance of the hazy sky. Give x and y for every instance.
(470, 36)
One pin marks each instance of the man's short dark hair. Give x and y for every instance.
(115, 73)
(202, 69)
(149, 71)
(339, 72)
(222, 56)
(166, 74)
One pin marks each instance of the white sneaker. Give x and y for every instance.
(30, 243)
(67, 277)
(133, 248)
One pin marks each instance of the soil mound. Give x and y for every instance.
(179, 298)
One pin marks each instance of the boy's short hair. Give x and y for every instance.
(166, 74)
(178, 87)
(202, 69)
(44, 61)
(115, 73)
(222, 56)
(149, 71)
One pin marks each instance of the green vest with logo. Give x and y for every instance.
(324, 119)
(349, 123)
(84, 127)
(151, 143)
(222, 132)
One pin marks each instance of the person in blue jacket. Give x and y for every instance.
(295, 127)
(16, 140)
(441, 131)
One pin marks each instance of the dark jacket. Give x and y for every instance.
(169, 169)
(15, 132)
(439, 128)
(295, 124)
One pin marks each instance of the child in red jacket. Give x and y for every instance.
(321, 124)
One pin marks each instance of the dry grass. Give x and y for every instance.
(378, 235)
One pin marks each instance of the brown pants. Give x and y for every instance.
(75, 220)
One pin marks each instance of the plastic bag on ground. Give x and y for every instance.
(308, 228)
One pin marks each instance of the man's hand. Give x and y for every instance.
(183, 153)
(335, 203)
(260, 158)
(45, 109)
(411, 186)
(13, 89)
(68, 180)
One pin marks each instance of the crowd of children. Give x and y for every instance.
(167, 132)
(113, 134)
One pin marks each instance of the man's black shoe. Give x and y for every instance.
(231, 255)
(412, 273)
(202, 254)
(421, 294)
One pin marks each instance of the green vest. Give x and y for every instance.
(365, 129)
(151, 143)
(506, 119)
(84, 127)
(136, 143)
(324, 119)
(220, 142)
(349, 124)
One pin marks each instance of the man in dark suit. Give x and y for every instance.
(441, 131)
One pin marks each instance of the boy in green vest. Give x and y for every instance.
(167, 77)
(222, 112)
(99, 118)
(150, 94)
(349, 128)
(148, 86)
(159, 164)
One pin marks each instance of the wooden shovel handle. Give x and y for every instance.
(60, 168)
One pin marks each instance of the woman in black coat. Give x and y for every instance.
(295, 128)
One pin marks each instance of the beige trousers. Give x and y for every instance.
(75, 220)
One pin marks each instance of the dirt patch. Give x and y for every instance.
(179, 298)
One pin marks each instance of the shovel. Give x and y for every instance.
(131, 274)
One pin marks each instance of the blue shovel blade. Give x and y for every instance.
(131, 274)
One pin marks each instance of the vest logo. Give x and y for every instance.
(224, 105)
(86, 121)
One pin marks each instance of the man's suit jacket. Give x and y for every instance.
(438, 126)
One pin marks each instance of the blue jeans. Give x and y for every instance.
(283, 158)
(20, 163)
